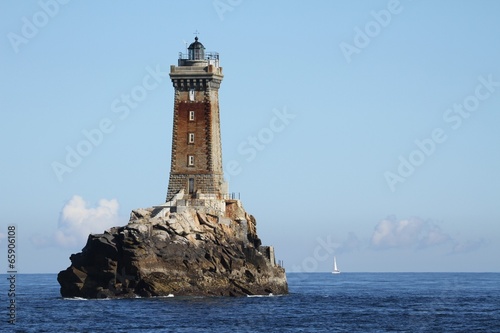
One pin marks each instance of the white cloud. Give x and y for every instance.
(467, 246)
(78, 220)
(433, 236)
(413, 232)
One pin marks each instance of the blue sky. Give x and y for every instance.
(386, 155)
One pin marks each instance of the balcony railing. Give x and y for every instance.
(211, 58)
(208, 56)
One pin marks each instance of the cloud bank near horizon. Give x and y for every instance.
(416, 233)
(78, 220)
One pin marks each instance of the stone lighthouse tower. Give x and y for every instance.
(196, 169)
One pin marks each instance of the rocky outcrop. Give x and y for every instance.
(172, 251)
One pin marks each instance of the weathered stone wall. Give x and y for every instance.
(214, 132)
(206, 183)
(206, 149)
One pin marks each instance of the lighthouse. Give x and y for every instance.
(199, 242)
(196, 164)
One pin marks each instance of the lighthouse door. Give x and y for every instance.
(191, 185)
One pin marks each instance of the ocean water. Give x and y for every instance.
(318, 302)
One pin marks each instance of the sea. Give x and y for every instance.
(318, 302)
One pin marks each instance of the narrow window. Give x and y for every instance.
(191, 94)
(191, 115)
(190, 160)
(191, 138)
(191, 185)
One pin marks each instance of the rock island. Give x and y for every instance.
(201, 241)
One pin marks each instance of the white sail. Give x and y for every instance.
(335, 268)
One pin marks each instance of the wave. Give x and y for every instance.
(75, 299)
(167, 296)
(270, 295)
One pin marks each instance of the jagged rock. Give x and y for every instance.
(188, 251)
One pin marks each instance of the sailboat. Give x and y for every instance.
(335, 268)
